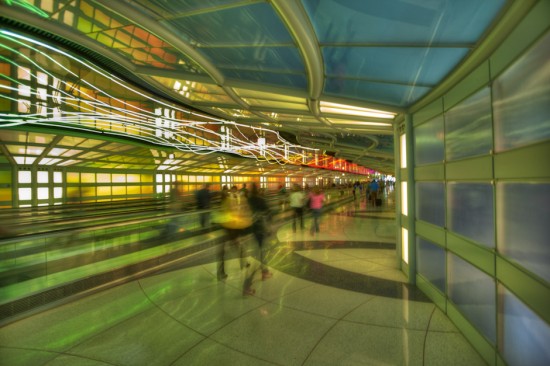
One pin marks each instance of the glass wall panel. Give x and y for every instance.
(43, 193)
(87, 177)
(25, 194)
(473, 292)
(134, 190)
(521, 99)
(405, 245)
(42, 177)
(470, 211)
(404, 198)
(522, 225)
(103, 190)
(104, 178)
(428, 142)
(525, 334)
(431, 262)
(57, 177)
(430, 202)
(73, 177)
(403, 150)
(24, 176)
(119, 191)
(468, 127)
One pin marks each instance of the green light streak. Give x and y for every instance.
(30, 7)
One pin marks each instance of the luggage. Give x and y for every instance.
(378, 202)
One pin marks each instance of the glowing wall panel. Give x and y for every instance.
(523, 226)
(431, 262)
(473, 292)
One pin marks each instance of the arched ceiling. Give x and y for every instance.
(334, 74)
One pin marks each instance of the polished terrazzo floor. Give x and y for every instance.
(336, 298)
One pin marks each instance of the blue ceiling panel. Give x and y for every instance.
(255, 24)
(408, 65)
(180, 6)
(391, 94)
(275, 79)
(284, 59)
(399, 21)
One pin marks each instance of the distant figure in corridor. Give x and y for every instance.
(203, 197)
(373, 189)
(316, 201)
(297, 201)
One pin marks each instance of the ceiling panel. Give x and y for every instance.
(264, 58)
(412, 65)
(298, 81)
(256, 24)
(398, 21)
(390, 94)
(185, 6)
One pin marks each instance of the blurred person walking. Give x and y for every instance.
(316, 201)
(236, 218)
(203, 197)
(297, 201)
(373, 189)
(261, 214)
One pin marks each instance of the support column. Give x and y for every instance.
(397, 191)
(411, 202)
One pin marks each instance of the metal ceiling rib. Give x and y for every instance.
(297, 21)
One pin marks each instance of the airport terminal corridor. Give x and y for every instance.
(335, 298)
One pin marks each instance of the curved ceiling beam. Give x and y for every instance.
(298, 23)
(293, 14)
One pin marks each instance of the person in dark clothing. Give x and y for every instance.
(261, 214)
(204, 197)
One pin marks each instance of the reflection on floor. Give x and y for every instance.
(336, 298)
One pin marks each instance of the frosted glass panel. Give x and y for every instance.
(468, 127)
(43, 193)
(431, 262)
(25, 194)
(404, 198)
(42, 177)
(58, 192)
(470, 211)
(57, 177)
(525, 334)
(522, 99)
(430, 202)
(403, 150)
(405, 245)
(428, 142)
(473, 292)
(523, 229)
(24, 176)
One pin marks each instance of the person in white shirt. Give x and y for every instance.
(297, 200)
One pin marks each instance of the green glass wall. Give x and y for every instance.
(481, 195)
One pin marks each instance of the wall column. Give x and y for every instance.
(411, 207)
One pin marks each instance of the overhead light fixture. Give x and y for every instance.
(334, 108)
(359, 123)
